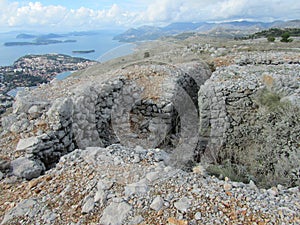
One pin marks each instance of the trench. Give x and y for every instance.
(118, 113)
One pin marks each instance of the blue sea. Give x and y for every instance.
(105, 47)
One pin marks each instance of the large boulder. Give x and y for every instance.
(27, 168)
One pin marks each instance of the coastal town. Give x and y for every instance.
(32, 70)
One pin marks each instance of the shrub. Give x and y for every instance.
(285, 37)
(271, 38)
(146, 54)
(234, 172)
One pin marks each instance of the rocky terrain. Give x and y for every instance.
(144, 139)
(118, 185)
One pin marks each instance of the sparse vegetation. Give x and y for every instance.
(269, 146)
(271, 38)
(270, 100)
(146, 54)
(285, 37)
(275, 32)
(234, 172)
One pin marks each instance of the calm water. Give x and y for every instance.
(63, 75)
(105, 48)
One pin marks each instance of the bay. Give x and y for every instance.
(63, 75)
(105, 47)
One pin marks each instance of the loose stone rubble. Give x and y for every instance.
(87, 187)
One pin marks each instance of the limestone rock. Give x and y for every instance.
(183, 204)
(252, 185)
(101, 197)
(21, 104)
(157, 203)
(198, 216)
(115, 213)
(152, 176)
(27, 168)
(7, 121)
(104, 184)
(23, 144)
(26, 207)
(88, 206)
(34, 111)
(49, 217)
(140, 187)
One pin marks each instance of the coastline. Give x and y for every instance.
(101, 43)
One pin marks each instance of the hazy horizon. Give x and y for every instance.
(64, 16)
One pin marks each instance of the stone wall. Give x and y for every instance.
(146, 105)
(250, 115)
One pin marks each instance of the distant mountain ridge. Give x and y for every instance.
(238, 28)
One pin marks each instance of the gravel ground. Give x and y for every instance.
(85, 184)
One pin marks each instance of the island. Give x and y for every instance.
(83, 52)
(38, 41)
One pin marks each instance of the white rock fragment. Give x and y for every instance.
(152, 176)
(198, 216)
(140, 187)
(101, 197)
(104, 184)
(27, 143)
(88, 205)
(183, 204)
(26, 207)
(252, 185)
(157, 203)
(115, 213)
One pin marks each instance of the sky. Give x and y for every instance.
(62, 15)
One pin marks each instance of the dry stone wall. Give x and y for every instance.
(142, 105)
(249, 115)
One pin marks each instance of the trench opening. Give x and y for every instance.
(156, 121)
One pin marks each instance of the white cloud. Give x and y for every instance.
(36, 15)
(203, 10)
